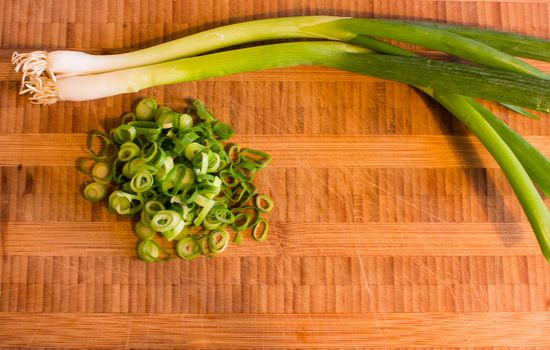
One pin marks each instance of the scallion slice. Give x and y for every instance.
(95, 191)
(259, 232)
(187, 248)
(218, 241)
(125, 203)
(142, 181)
(165, 220)
(150, 251)
(101, 172)
(143, 231)
(145, 109)
(128, 151)
(124, 133)
(264, 203)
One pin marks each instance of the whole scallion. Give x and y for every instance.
(488, 83)
(50, 77)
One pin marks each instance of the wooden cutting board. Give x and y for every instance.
(393, 227)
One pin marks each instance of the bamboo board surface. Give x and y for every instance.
(393, 227)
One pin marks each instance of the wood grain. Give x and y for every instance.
(341, 151)
(393, 226)
(133, 330)
(309, 239)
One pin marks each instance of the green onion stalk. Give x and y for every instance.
(44, 71)
(493, 84)
(349, 44)
(519, 160)
(535, 163)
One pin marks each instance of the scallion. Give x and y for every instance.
(144, 231)
(95, 191)
(510, 87)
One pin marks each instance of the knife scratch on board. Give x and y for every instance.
(365, 283)
(129, 332)
(35, 333)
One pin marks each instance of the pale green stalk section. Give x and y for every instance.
(515, 88)
(488, 83)
(75, 63)
(89, 87)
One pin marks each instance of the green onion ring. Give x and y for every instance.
(149, 251)
(241, 222)
(228, 179)
(160, 111)
(258, 158)
(214, 165)
(202, 112)
(259, 231)
(150, 208)
(149, 130)
(128, 117)
(145, 109)
(210, 223)
(142, 181)
(128, 151)
(187, 248)
(223, 130)
(234, 154)
(244, 171)
(218, 241)
(125, 203)
(193, 149)
(124, 133)
(174, 233)
(143, 231)
(264, 203)
(95, 191)
(165, 220)
(149, 152)
(185, 121)
(107, 150)
(101, 172)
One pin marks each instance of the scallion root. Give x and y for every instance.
(37, 79)
(42, 89)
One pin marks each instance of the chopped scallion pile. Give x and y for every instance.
(179, 175)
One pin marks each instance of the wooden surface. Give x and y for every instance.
(392, 228)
